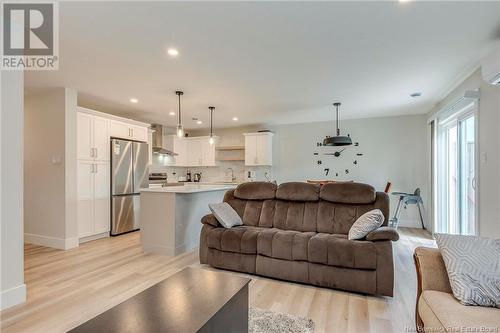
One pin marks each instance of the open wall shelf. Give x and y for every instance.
(230, 148)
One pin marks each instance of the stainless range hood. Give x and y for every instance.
(158, 147)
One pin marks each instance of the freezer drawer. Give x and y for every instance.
(125, 214)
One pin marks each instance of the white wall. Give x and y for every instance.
(393, 148)
(489, 143)
(50, 168)
(13, 289)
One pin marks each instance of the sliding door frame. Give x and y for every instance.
(456, 117)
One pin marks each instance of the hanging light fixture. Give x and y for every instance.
(211, 139)
(180, 129)
(337, 140)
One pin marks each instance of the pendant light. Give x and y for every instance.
(211, 139)
(180, 129)
(337, 140)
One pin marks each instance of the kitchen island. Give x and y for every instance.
(170, 216)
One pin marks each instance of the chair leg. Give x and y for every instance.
(421, 216)
(395, 220)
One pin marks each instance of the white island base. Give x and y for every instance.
(170, 216)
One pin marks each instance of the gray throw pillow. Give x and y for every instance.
(366, 223)
(473, 266)
(225, 214)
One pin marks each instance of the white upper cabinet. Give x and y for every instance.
(192, 151)
(84, 136)
(139, 133)
(258, 148)
(178, 146)
(101, 138)
(92, 137)
(208, 152)
(123, 130)
(118, 129)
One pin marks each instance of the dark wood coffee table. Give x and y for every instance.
(192, 300)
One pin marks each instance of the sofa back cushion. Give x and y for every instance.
(348, 193)
(297, 191)
(305, 207)
(255, 191)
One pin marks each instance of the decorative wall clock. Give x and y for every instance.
(343, 145)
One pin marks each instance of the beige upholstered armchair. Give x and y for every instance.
(436, 308)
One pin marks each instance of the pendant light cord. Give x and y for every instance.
(179, 109)
(337, 120)
(337, 115)
(211, 120)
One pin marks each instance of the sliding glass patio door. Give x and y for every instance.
(456, 174)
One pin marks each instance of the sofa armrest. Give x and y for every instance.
(431, 271)
(383, 234)
(431, 275)
(210, 220)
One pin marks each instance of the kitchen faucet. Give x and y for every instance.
(233, 178)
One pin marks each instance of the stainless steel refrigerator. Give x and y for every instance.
(129, 173)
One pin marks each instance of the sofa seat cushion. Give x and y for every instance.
(242, 239)
(337, 250)
(284, 244)
(440, 310)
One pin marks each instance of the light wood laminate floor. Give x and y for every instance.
(66, 288)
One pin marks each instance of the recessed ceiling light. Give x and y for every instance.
(235, 118)
(134, 100)
(416, 94)
(173, 52)
(172, 113)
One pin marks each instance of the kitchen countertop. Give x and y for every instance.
(190, 188)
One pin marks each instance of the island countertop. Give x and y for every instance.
(189, 188)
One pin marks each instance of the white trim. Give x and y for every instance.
(54, 242)
(13, 296)
(112, 117)
(462, 102)
(93, 237)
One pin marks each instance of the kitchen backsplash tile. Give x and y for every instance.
(212, 174)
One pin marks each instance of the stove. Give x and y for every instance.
(159, 178)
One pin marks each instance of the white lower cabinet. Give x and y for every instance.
(102, 197)
(93, 197)
(85, 198)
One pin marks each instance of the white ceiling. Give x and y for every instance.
(267, 62)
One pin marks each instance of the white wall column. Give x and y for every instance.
(13, 289)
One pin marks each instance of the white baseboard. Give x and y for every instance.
(94, 237)
(12, 296)
(57, 243)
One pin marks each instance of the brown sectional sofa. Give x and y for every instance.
(298, 232)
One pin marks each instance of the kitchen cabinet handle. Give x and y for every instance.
(95, 152)
(91, 152)
(95, 171)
